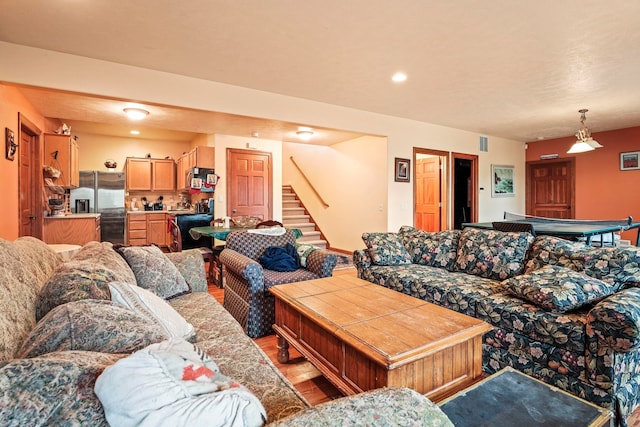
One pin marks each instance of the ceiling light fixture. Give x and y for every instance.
(399, 77)
(304, 133)
(134, 132)
(585, 142)
(136, 113)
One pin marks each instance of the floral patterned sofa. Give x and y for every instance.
(562, 312)
(61, 328)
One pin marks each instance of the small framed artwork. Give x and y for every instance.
(502, 183)
(630, 160)
(10, 144)
(403, 167)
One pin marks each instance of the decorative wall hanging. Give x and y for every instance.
(502, 183)
(630, 160)
(10, 143)
(403, 168)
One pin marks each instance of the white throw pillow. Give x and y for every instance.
(173, 383)
(152, 307)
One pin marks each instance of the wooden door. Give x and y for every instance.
(249, 183)
(428, 184)
(32, 202)
(551, 188)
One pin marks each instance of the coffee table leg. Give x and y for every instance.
(283, 350)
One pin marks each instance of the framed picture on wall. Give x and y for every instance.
(502, 182)
(403, 167)
(630, 160)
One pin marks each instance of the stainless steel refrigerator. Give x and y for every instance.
(103, 193)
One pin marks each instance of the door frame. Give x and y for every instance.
(35, 196)
(473, 158)
(444, 183)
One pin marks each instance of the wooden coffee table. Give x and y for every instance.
(362, 336)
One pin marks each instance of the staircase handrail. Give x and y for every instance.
(325, 204)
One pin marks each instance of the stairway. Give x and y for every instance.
(294, 216)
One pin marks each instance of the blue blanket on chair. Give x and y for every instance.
(280, 258)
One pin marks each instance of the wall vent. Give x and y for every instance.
(484, 144)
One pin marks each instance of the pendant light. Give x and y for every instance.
(584, 141)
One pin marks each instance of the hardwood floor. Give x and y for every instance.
(302, 374)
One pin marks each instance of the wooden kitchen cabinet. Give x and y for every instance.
(148, 229)
(61, 152)
(163, 175)
(201, 157)
(72, 229)
(150, 174)
(137, 230)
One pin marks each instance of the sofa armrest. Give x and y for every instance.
(191, 265)
(361, 259)
(321, 262)
(380, 407)
(243, 266)
(615, 321)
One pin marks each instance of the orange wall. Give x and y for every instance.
(11, 103)
(603, 191)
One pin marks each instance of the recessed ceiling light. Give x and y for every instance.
(134, 132)
(399, 77)
(540, 138)
(136, 113)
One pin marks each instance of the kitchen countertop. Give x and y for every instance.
(74, 215)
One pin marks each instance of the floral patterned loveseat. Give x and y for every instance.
(562, 312)
(60, 329)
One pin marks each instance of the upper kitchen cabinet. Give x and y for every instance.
(61, 152)
(201, 157)
(150, 174)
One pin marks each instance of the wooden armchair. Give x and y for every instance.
(247, 295)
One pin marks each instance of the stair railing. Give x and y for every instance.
(325, 204)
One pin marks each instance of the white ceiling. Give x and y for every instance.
(511, 68)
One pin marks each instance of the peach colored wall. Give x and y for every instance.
(603, 191)
(95, 149)
(346, 176)
(11, 103)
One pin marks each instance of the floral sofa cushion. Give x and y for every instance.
(386, 248)
(515, 315)
(558, 288)
(456, 291)
(73, 281)
(548, 250)
(190, 264)
(53, 389)
(439, 249)
(618, 266)
(154, 271)
(492, 254)
(104, 254)
(91, 325)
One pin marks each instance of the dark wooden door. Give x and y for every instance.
(249, 183)
(551, 188)
(32, 200)
(427, 210)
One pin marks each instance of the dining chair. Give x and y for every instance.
(269, 223)
(208, 254)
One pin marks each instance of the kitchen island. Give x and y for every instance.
(72, 229)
